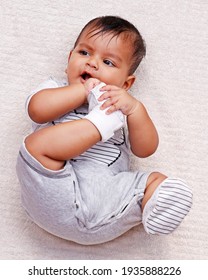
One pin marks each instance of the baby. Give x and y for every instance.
(74, 167)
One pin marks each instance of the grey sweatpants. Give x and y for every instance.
(84, 202)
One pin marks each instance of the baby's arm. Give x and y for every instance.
(49, 104)
(143, 136)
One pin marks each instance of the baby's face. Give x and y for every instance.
(102, 57)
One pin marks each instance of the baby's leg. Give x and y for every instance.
(53, 145)
(165, 204)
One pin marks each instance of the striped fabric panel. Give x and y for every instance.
(105, 153)
(173, 204)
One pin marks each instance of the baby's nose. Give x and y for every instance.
(93, 63)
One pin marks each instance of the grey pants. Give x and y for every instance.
(84, 202)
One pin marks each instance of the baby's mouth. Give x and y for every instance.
(85, 76)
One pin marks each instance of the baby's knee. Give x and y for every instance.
(37, 147)
(34, 145)
(167, 207)
(31, 144)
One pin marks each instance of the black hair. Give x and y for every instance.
(117, 25)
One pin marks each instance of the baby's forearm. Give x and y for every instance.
(143, 136)
(49, 104)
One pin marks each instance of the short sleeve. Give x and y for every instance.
(50, 83)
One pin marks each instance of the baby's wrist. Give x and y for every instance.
(79, 92)
(134, 108)
(82, 92)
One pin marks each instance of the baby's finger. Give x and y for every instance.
(108, 93)
(90, 84)
(104, 96)
(111, 109)
(109, 88)
(93, 83)
(106, 104)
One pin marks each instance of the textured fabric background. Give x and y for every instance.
(35, 39)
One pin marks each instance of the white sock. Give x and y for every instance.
(106, 124)
(94, 95)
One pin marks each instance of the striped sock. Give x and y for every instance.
(167, 207)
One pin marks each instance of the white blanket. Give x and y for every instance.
(35, 39)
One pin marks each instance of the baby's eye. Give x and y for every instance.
(108, 62)
(83, 52)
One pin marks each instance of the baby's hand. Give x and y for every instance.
(118, 99)
(90, 84)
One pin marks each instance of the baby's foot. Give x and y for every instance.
(106, 124)
(94, 95)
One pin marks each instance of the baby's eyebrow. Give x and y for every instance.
(106, 54)
(84, 45)
(114, 56)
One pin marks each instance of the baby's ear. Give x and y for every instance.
(68, 60)
(129, 82)
(69, 55)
